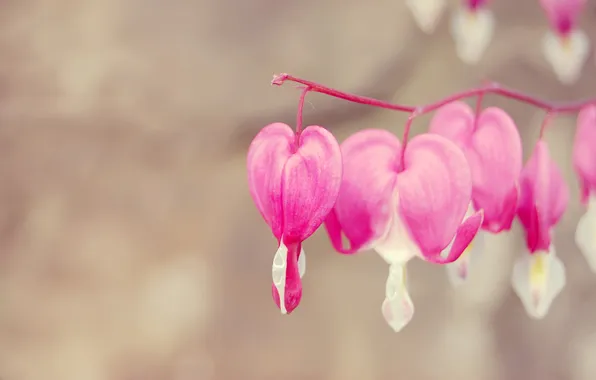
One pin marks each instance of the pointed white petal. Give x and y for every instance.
(426, 13)
(397, 307)
(472, 32)
(585, 234)
(459, 271)
(278, 274)
(302, 263)
(538, 279)
(566, 56)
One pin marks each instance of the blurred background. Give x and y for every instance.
(130, 247)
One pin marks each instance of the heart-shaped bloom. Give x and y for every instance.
(565, 48)
(472, 29)
(294, 182)
(492, 146)
(539, 276)
(403, 209)
(584, 162)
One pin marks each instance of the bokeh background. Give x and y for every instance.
(130, 248)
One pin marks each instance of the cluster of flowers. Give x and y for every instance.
(432, 197)
(565, 46)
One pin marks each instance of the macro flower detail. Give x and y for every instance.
(584, 163)
(472, 28)
(427, 13)
(294, 181)
(484, 139)
(565, 47)
(539, 275)
(403, 203)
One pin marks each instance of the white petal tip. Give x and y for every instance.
(472, 32)
(278, 274)
(397, 308)
(537, 280)
(426, 13)
(585, 237)
(567, 56)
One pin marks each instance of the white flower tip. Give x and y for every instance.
(537, 280)
(302, 263)
(472, 32)
(426, 13)
(278, 274)
(585, 237)
(397, 308)
(566, 56)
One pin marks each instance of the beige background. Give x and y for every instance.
(131, 250)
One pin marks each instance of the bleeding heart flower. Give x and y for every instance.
(539, 276)
(584, 162)
(294, 182)
(472, 29)
(492, 146)
(566, 49)
(403, 209)
(426, 13)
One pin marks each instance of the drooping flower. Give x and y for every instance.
(566, 48)
(294, 182)
(492, 146)
(584, 162)
(472, 28)
(402, 209)
(539, 275)
(427, 13)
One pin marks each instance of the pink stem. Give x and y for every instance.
(547, 119)
(493, 88)
(478, 108)
(300, 111)
(406, 137)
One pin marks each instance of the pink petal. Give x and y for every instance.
(543, 198)
(267, 156)
(363, 208)
(584, 151)
(497, 164)
(294, 186)
(455, 121)
(466, 232)
(311, 183)
(494, 172)
(434, 193)
(563, 14)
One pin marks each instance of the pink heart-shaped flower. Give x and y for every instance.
(294, 183)
(424, 204)
(543, 198)
(492, 146)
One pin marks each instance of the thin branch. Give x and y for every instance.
(492, 88)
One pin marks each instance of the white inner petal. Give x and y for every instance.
(278, 274)
(426, 13)
(397, 308)
(585, 234)
(537, 280)
(396, 246)
(472, 32)
(566, 56)
(302, 263)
